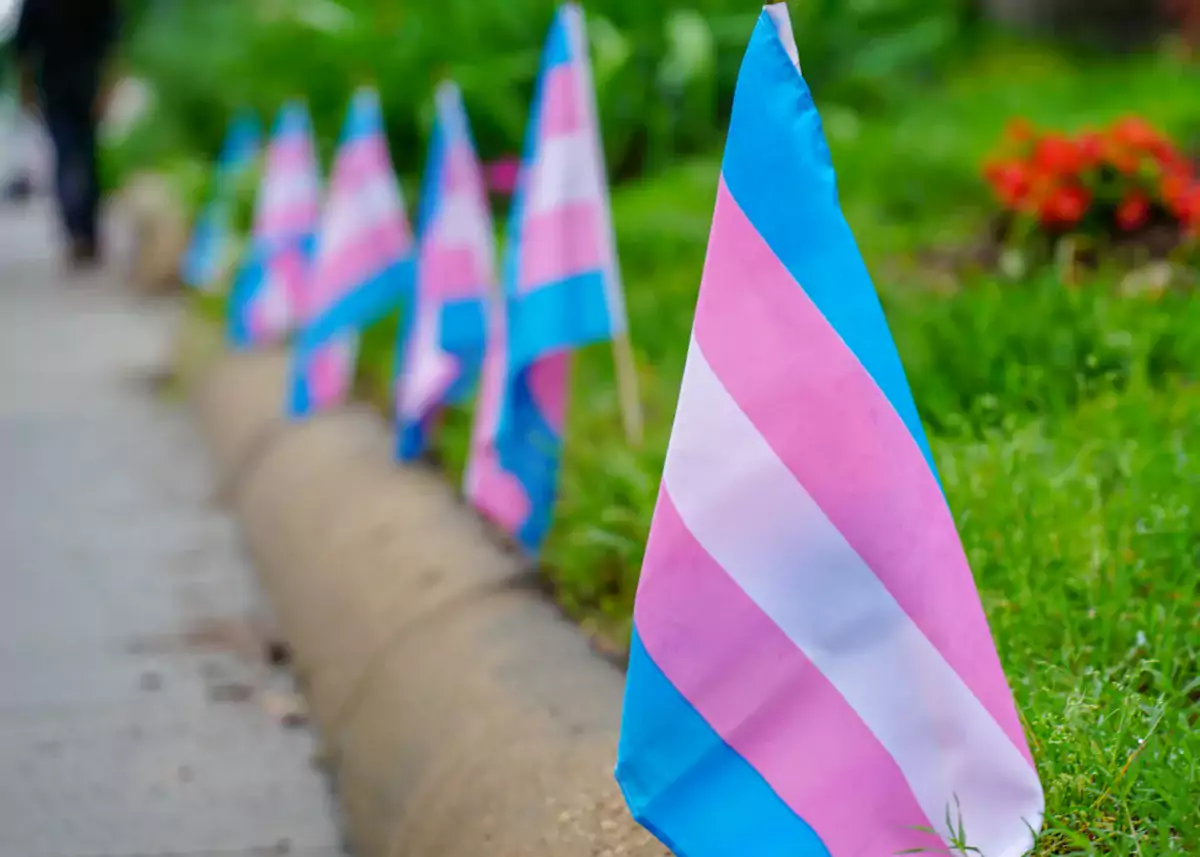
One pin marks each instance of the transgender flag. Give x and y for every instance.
(811, 672)
(561, 283)
(211, 239)
(455, 277)
(363, 266)
(267, 293)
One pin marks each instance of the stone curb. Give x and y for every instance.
(462, 715)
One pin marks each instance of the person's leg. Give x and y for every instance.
(72, 129)
(58, 126)
(89, 204)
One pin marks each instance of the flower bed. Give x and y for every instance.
(1126, 187)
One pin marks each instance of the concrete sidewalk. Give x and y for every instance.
(136, 719)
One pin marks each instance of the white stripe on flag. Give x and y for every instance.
(461, 223)
(290, 189)
(751, 515)
(565, 172)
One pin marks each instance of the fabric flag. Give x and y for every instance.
(811, 672)
(268, 289)
(560, 282)
(364, 260)
(455, 278)
(212, 237)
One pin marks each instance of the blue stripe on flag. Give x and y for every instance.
(384, 292)
(529, 448)
(246, 284)
(292, 119)
(464, 334)
(363, 117)
(412, 440)
(563, 315)
(208, 241)
(684, 778)
(775, 158)
(431, 184)
(558, 45)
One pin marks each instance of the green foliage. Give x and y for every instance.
(664, 71)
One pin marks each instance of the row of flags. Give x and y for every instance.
(811, 672)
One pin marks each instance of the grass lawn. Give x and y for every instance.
(1065, 423)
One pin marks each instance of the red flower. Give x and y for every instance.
(1188, 210)
(1134, 211)
(1120, 157)
(1010, 181)
(1091, 149)
(1137, 134)
(1175, 188)
(1064, 206)
(1058, 155)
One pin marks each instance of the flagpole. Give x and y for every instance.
(624, 364)
(627, 388)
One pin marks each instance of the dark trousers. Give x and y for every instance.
(72, 126)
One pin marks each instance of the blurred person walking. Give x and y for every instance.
(62, 47)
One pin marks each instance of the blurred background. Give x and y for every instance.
(1021, 177)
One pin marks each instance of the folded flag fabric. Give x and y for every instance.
(560, 279)
(267, 291)
(455, 278)
(212, 237)
(811, 671)
(363, 263)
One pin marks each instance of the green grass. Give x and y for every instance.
(1065, 424)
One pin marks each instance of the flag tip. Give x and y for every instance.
(778, 13)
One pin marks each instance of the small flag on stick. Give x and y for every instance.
(811, 672)
(455, 278)
(363, 265)
(268, 290)
(561, 286)
(212, 236)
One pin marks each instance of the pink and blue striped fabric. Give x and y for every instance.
(455, 278)
(268, 290)
(811, 673)
(212, 237)
(560, 280)
(363, 266)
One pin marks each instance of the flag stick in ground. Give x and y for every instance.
(455, 279)
(364, 261)
(212, 235)
(268, 290)
(560, 285)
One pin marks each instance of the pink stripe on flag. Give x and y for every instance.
(562, 102)
(760, 693)
(461, 173)
(548, 380)
(491, 489)
(365, 256)
(292, 152)
(561, 243)
(360, 160)
(834, 429)
(451, 273)
(497, 493)
(293, 220)
(330, 373)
